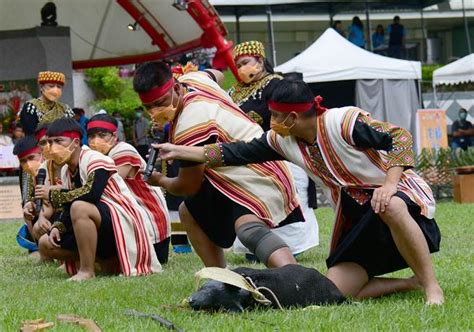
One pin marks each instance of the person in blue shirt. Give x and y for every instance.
(80, 117)
(356, 32)
(378, 37)
(396, 40)
(463, 131)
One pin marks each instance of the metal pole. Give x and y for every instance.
(271, 38)
(237, 25)
(420, 94)
(423, 42)
(369, 28)
(331, 15)
(466, 28)
(101, 27)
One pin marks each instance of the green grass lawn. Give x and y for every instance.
(30, 291)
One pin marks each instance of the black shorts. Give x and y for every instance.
(369, 243)
(106, 246)
(162, 250)
(216, 214)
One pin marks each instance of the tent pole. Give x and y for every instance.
(271, 38)
(237, 24)
(420, 94)
(466, 28)
(435, 97)
(331, 15)
(369, 28)
(423, 41)
(101, 27)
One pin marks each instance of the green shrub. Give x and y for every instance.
(437, 167)
(114, 94)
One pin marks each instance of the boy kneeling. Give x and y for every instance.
(99, 217)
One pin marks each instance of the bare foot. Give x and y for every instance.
(434, 295)
(81, 276)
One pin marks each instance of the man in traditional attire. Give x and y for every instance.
(42, 224)
(384, 210)
(29, 155)
(251, 94)
(244, 201)
(32, 157)
(102, 132)
(100, 217)
(46, 108)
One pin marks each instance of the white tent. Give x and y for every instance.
(333, 58)
(460, 71)
(457, 72)
(385, 87)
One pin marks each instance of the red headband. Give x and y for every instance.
(102, 124)
(157, 92)
(288, 108)
(40, 133)
(34, 149)
(69, 134)
(298, 107)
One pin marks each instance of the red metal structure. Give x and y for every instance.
(213, 35)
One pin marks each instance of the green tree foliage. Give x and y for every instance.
(229, 80)
(105, 82)
(427, 72)
(113, 94)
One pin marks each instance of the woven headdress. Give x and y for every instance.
(249, 48)
(51, 77)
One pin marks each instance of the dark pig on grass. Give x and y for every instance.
(290, 285)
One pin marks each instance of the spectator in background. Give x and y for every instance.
(396, 40)
(462, 131)
(378, 37)
(120, 129)
(80, 117)
(17, 133)
(141, 127)
(46, 108)
(339, 29)
(4, 138)
(356, 32)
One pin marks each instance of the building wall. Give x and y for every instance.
(294, 33)
(83, 95)
(24, 53)
(291, 38)
(459, 44)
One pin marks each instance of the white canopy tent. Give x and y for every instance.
(457, 72)
(333, 58)
(385, 87)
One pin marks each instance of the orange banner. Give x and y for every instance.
(432, 130)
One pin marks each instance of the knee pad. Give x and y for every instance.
(258, 238)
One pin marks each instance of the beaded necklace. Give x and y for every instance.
(241, 92)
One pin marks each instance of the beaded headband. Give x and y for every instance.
(45, 77)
